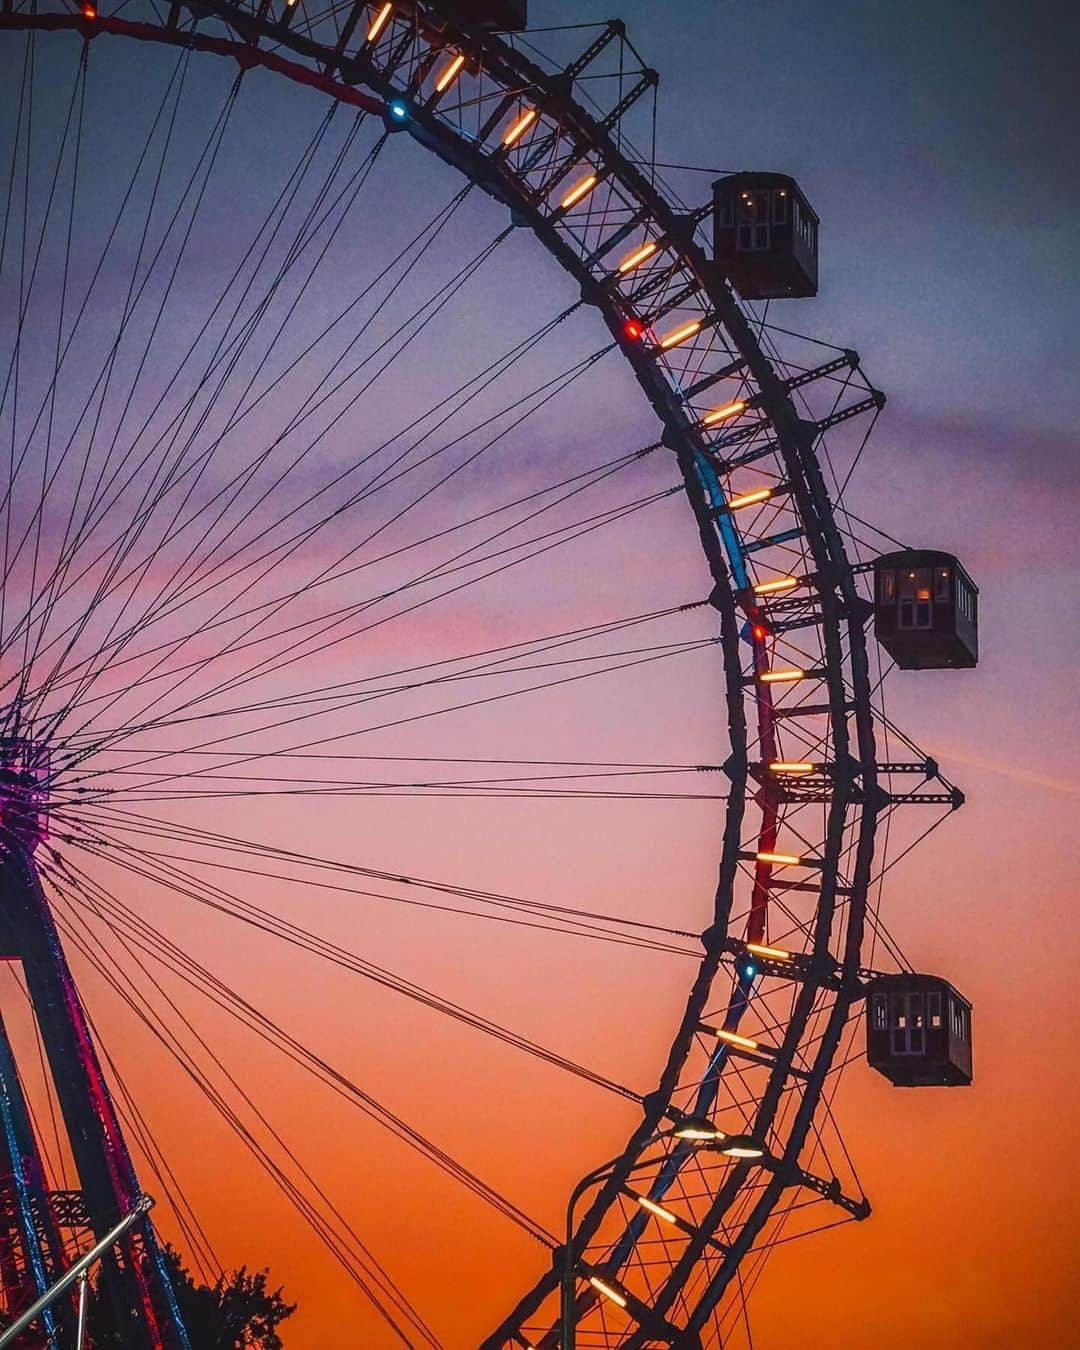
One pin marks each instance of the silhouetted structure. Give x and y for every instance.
(926, 610)
(918, 1031)
(765, 236)
(505, 15)
(31, 1253)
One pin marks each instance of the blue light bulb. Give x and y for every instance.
(399, 110)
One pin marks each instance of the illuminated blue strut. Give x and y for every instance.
(18, 1151)
(744, 975)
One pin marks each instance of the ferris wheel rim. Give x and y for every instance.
(842, 615)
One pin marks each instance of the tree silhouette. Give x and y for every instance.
(238, 1312)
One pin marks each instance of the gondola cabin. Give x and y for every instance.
(918, 1031)
(504, 16)
(765, 236)
(926, 610)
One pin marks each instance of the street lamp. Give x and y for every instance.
(741, 1146)
(697, 1131)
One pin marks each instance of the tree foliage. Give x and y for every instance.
(238, 1312)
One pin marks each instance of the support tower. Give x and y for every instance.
(32, 1252)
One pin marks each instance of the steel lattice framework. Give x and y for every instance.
(762, 1025)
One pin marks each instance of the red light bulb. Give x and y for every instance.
(634, 329)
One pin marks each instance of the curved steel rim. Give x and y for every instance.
(401, 64)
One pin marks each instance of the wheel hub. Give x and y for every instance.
(24, 792)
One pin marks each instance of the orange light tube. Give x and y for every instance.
(678, 335)
(733, 1038)
(654, 1208)
(450, 73)
(579, 190)
(722, 414)
(638, 256)
(379, 22)
(749, 498)
(772, 587)
(780, 859)
(791, 766)
(768, 953)
(607, 1291)
(518, 128)
(781, 676)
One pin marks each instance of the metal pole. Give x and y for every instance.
(83, 1264)
(106, 1173)
(80, 1331)
(567, 1334)
(567, 1302)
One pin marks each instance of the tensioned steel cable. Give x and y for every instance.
(134, 292)
(140, 824)
(497, 367)
(120, 982)
(231, 349)
(141, 514)
(281, 549)
(529, 646)
(578, 482)
(136, 1127)
(171, 718)
(100, 902)
(414, 718)
(142, 863)
(195, 472)
(557, 538)
(360, 1097)
(25, 109)
(285, 551)
(210, 153)
(293, 655)
(79, 753)
(560, 919)
(279, 208)
(500, 669)
(78, 93)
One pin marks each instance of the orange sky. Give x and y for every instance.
(974, 1192)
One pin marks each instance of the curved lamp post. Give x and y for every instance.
(694, 1130)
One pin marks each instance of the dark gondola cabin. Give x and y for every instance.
(506, 16)
(765, 236)
(926, 610)
(918, 1031)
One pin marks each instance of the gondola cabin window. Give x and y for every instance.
(916, 608)
(754, 234)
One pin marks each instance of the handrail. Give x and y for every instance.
(142, 1206)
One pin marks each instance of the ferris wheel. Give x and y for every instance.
(313, 318)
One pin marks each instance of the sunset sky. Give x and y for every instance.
(937, 145)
